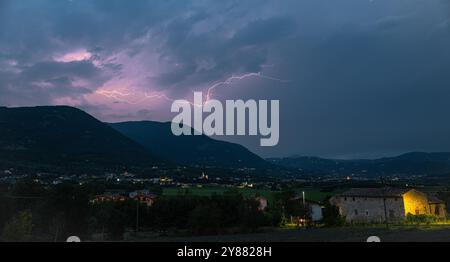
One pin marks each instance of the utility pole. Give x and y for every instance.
(137, 214)
(384, 203)
(304, 208)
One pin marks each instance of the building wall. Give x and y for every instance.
(316, 212)
(369, 210)
(416, 203)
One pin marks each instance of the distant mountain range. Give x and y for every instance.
(62, 135)
(158, 139)
(411, 163)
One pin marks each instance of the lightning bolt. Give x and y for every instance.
(118, 95)
(231, 79)
(124, 96)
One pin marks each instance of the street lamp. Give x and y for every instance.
(303, 196)
(304, 207)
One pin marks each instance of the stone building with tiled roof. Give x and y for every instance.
(376, 205)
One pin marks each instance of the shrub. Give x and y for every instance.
(331, 216)
(19, 228)
(421, 219)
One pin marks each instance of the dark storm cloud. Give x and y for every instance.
(264, 31)
(245, 51)
(46, 28)
(44, 81)
(33, 33)
(370, 89)
(365, 76)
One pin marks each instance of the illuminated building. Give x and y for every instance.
(376, 205)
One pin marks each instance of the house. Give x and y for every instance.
(314, 208)
(315, 211)
(109, 197)
(263, 203)
(376, 205)
(437, 206)
(138, 192)
(143, 196)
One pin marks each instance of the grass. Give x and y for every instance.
(210, 190)
(311, 193)
(398, 233)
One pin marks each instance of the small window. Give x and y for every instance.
(345, 199)
(356, 212)
(353, 199)
(367, 212)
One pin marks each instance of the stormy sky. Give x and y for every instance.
(355, 78)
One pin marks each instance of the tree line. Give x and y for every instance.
(30, 211)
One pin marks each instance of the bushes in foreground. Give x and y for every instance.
(193, 215)
(421, 219)
(206, 215)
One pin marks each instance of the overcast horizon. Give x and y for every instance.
(355, 78)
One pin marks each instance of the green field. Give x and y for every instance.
(311, 193)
